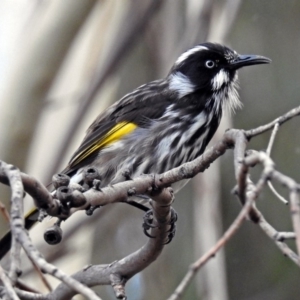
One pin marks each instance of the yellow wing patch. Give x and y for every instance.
(115, 134)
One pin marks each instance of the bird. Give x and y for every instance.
(162, 124)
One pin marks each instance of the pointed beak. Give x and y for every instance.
(248, 60)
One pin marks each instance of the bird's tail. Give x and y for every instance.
(30, 219)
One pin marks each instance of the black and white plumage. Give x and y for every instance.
(175, 117)
(161, 124)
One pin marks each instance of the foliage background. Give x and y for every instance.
(251, 268)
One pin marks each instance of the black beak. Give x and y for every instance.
(248, 60)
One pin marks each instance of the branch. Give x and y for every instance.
(119, 272)
(268, 151)
(115, 274)
(119, 192)
(277, 237)
(271, 173)
(280, 120)
(295, 213)
(20, 234)
(41, 196)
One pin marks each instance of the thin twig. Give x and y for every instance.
(268, 151)
(274, 235)
(4, 212)
(280, 120)
(271, 173)
(26, 295)
(24, 286)
(272, 139)
(42, 276)
(282, 199)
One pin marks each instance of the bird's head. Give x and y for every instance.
(209, 67)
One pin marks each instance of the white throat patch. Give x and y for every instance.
(181, 84)
(186, 54)
(233, 103)
(221, 78)
(228, 98)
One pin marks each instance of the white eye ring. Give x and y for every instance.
(210, 64)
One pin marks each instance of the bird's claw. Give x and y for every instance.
(172, 230)
(148, 224)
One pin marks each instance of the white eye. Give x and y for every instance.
(210, 64)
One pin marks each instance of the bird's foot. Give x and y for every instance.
(148, 224)
(172, 230)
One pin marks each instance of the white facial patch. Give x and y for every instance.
(186, 54)
(181, 84)
(221, 78)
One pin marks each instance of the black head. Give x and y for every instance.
(210, 66)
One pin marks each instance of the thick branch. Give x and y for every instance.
(119, 192)
(119, 272)
(41, 196)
